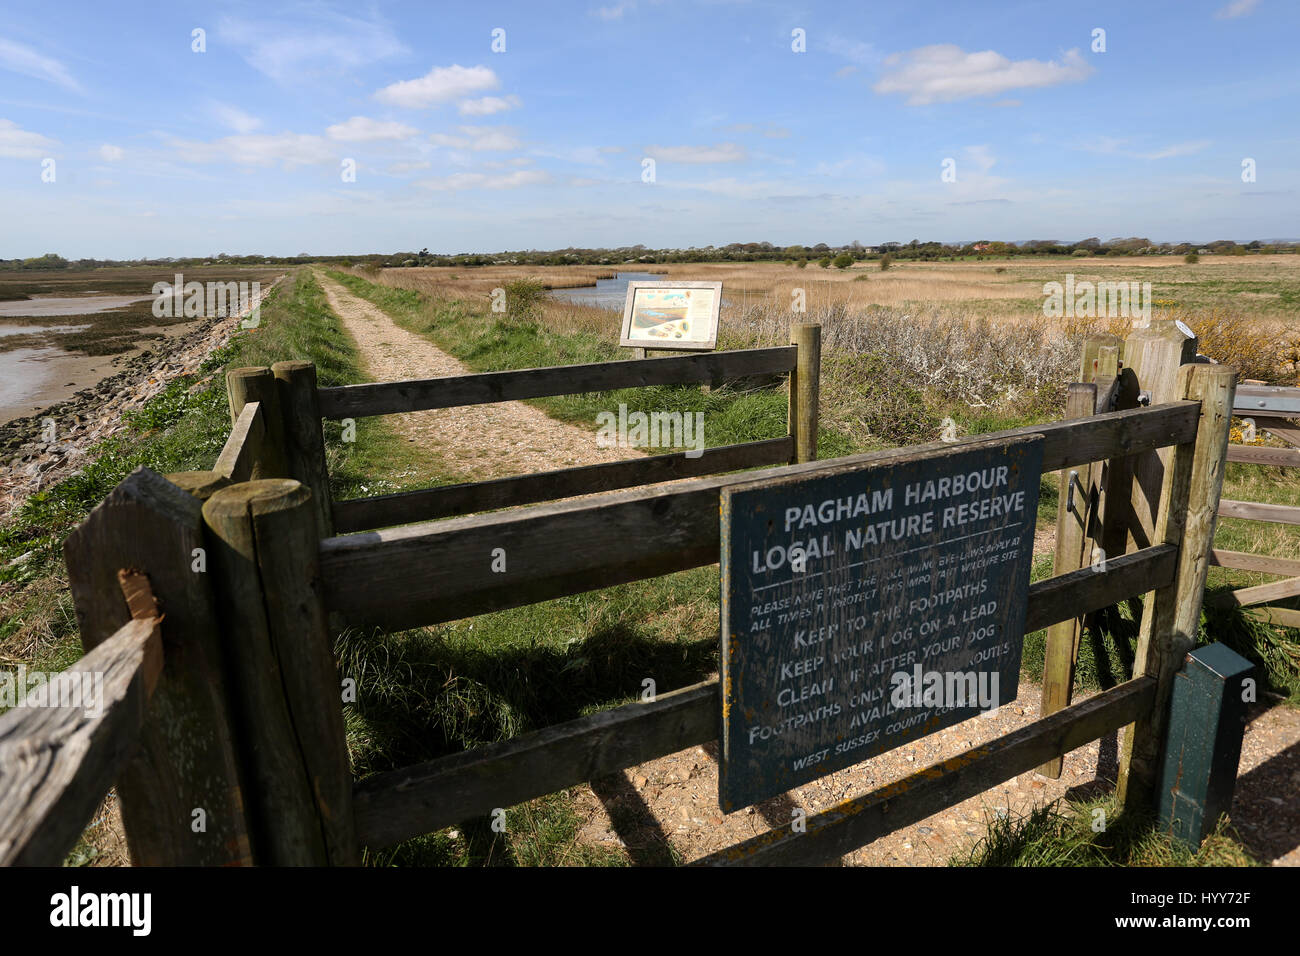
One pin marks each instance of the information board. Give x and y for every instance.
(671, 315)
(868, 605)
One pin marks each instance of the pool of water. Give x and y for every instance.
(606, 293)
(69, 305)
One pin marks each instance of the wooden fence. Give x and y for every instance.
(1271, 409)
(244, 730)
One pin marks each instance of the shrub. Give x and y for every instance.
(886, 261)
(1191, 258)
(842, 261)
(824, 262)
(873, 396)
(1000, 269)
(803, 263)
(1081, 253)
(524, 299)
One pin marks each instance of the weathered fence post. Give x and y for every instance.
(804, 386)
(244, 385)
(1207, 718)
(201, 484)
(288, 697)
(1171, 615)
(304, 440)
(181, 797)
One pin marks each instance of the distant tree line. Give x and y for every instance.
(822, 254)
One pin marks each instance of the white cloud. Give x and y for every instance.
(284, 51)
(110, 153)
(522, 177)
(616, 11)
(18, 143)
(487, 105)
(944, 72)
(235, 118)
(844, 71)
(363, 129)
(25, 60)
(478, 138)
(980, 158)
(721, 153)
(439, 85)
(1238, 8)
(396, 169)
(1177, 149)
(287, 149)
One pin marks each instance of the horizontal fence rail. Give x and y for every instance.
(855, 823)
(425, 573)
(1261, 455)
(57, 762)
(389, 398)
(363, 514)
(401, 804)
(1255, 511)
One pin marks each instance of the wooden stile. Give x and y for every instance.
(245, 447)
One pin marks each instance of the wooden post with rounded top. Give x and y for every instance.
(804, 382)
(285, 683)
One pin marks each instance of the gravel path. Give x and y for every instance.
(473, 441)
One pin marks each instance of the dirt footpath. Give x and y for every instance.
(666, 810)
(474, 441)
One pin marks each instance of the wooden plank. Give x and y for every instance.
(804, 386)
(186, 759)
(855, 823)
(1076, 497)
(363, 514)
(1260, 593)
(1280, 616)
(1256, 511)
(1259, 455)
(395, 806)
(1244, 561)
(59, 755)
(438, 571)
(1171, 615)
(238, 459)
(244, 385)
(388, 398)
(401, 804)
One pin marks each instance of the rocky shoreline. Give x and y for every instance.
(30, 462)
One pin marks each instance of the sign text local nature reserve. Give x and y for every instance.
(867, 605)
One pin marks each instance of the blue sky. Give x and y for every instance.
(160, 150)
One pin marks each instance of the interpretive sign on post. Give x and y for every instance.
(867, 605)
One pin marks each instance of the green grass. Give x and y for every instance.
(1095, 833)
